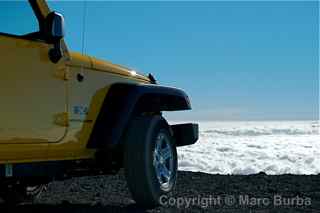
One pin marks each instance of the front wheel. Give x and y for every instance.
(150, 160)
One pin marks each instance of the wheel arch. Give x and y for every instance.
(124, 101)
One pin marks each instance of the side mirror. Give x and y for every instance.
(57, 29)
(54, 34)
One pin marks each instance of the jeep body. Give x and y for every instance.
(65, 114)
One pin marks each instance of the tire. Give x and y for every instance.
(150, 160)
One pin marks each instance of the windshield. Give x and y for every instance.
(17, 18)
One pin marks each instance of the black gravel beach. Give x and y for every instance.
(195, 192)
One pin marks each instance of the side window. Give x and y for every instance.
(17, 18)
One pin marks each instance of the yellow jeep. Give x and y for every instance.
(64, 114)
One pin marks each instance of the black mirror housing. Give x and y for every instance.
(54, 33)
(54, 27)
(57, 29)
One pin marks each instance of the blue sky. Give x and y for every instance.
(237, 60)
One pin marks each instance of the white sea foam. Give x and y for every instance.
(251, 147)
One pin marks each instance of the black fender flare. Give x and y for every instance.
(124, 101)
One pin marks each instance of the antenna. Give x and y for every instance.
(83, 32)
(84, 25)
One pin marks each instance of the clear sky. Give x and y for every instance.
(237, 60)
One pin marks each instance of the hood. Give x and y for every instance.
(91, 63)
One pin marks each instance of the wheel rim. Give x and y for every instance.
(163, 161)
(35, 191)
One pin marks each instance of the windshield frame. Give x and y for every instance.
(39, 16)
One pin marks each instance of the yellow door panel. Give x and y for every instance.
(33, 98)
(85, 100)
